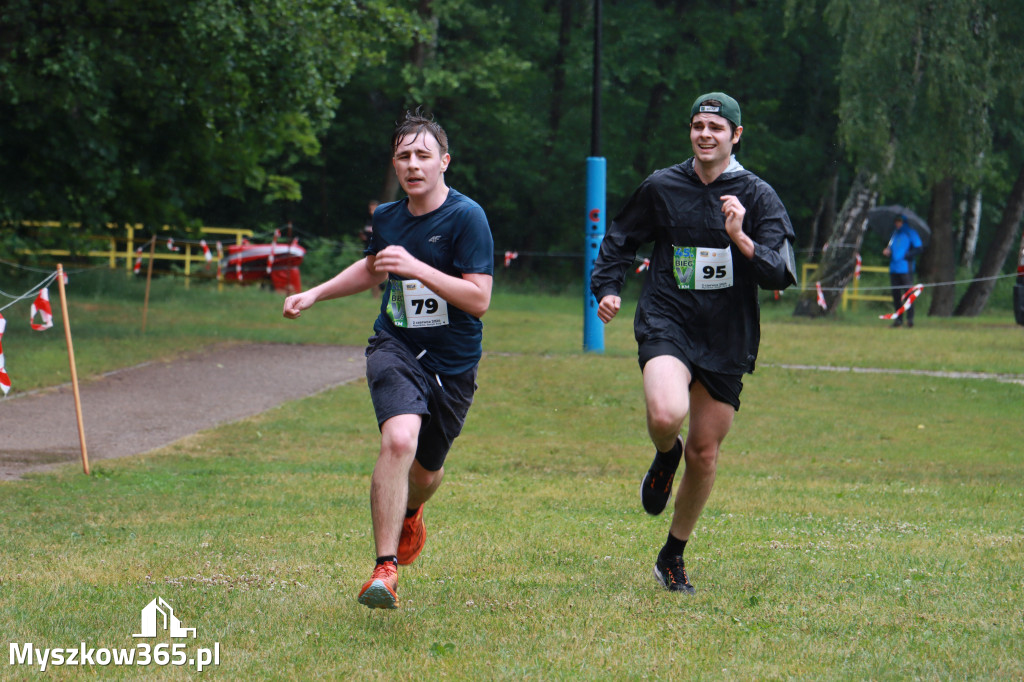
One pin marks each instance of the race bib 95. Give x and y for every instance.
(700, 268)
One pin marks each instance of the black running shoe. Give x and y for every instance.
(656, 487)
(671, 574)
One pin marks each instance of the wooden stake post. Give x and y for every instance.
(74, 371)
(149, 279)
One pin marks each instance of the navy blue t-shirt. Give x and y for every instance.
(455, 239)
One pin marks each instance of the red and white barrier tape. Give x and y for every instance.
(5, 381)
(821, 296)
(510, 256)
(908, 301)
(643, 266)
(42, 306)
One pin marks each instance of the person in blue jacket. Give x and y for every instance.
(719, 233)
(904, 246)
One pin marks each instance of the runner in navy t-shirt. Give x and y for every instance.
(435, 251)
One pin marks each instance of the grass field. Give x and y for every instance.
(863, 526)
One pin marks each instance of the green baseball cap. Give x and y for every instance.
(728, 107)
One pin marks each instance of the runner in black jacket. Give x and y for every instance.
(719, 233)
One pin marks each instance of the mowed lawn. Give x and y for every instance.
(863, 526)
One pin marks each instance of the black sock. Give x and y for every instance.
(384, 559)
(672, 457)
(673, 547)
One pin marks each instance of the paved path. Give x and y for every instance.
(142, 408)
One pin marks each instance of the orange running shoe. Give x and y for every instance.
(380, 591)
(414, 536)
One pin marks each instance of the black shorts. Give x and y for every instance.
(399, 384)
(725, 388)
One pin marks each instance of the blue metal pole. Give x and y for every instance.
(593, 328)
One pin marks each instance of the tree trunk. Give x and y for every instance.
(558, 67)
(824, 217)
(421, 53)
(976, 296)
(938, 263)
(838, 259)
(389, 192)
(655, 102)
(325, 223)
(971, 226)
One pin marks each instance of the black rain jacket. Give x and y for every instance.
(718, 330)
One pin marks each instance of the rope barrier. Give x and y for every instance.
(19, 266)
(29, 268)
(932, 284)
(501, 254)
(29, 294)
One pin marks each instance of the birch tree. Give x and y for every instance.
(912, 74)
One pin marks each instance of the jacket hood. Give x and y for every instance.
(730, 171)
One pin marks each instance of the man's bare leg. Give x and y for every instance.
(389, 486)
(710, 421)
(422, 484)
(667, 394)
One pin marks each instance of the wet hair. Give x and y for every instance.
(416, 123)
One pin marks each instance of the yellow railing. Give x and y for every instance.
(188, 255)
(851, 293)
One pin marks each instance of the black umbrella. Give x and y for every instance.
(882, 219)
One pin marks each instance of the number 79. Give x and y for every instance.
(429, 305)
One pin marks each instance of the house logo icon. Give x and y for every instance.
(159, 614)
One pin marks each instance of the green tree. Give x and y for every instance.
(464, 67)
(472, 67)
(511, 81)
(1007, 157)
(120, 110)
(912, 74)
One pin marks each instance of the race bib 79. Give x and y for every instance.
(413, 305)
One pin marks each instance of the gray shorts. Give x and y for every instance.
(725, 388)
(399, 384)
